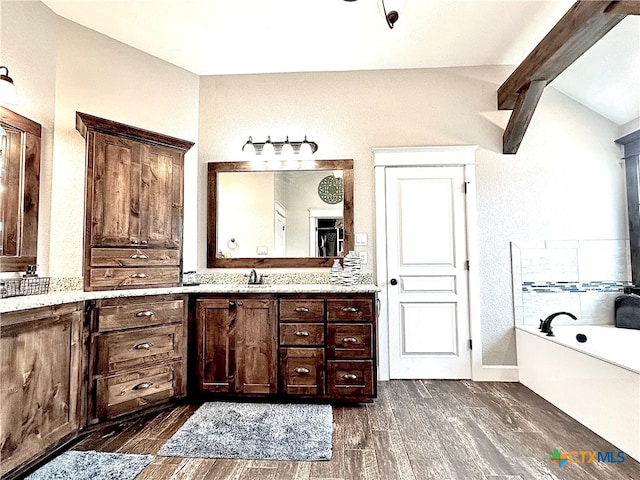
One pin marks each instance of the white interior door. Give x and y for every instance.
(428, 306)
(280, 232)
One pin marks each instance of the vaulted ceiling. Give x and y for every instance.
(219, 37)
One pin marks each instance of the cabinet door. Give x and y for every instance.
(215, 345)
(161, 197)
(114, 185)
(41, 371)
(257, 346)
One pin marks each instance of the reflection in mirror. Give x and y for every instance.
(19, 190)
(278, 214)
(267, 214)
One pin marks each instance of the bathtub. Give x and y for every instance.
(596, 382)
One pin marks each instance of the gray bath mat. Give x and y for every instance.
(254, 431)
(90, 465)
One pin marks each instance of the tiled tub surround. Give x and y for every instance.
(583, 277)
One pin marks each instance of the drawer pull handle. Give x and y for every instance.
(350, 309)
(301, 334)
(350, 376)
(302, 370)
(301, 310)
(138, 275)
(142, 386)
(139, 256)
(143, 346)
(145, 313)
(350, 340)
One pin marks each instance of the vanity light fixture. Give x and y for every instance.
(8, 93)
(283, 149)
(249, 148)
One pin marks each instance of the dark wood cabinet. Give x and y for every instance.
(321, 346)
(133, 205)
(41, 368)
(137, 354)
(235, 345)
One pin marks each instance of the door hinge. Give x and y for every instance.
(466, 265)
(470, 344)
(465, 187)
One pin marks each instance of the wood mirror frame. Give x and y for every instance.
(29, 188)
(259, 166)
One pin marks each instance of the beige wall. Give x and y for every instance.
(59, 68)
(566, 182)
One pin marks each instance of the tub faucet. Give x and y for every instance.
(545, 325)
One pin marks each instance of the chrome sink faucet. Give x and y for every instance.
(545, 325)
(254, 278)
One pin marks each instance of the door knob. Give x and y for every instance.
(393, 281)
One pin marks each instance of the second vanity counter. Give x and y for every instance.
(14, 304)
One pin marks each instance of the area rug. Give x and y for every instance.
(90, 465)
(254, 431)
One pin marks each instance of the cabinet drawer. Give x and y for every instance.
(350, 378)
(133, 391)
(302, 310)
(302, 334)
(302, 371)
(340, 310)
(138, 347)
(133, 315)
(134, 257)
(132, 277)
(351, 340)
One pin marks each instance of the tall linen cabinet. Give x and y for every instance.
(133, 205)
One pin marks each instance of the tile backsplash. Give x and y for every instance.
(583, 277)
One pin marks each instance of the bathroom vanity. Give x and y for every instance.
(135, 339)
(74, 360)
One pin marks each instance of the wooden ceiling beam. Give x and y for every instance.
(579, 29)
(584, 24)
(626, 8)
(522, 114)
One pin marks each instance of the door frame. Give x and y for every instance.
(441, 156)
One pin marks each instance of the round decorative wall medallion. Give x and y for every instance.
(330, 189)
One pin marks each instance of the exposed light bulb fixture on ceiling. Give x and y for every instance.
(390, 10)
(286, 149)
(8, 93)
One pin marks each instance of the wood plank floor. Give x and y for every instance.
(416, 430)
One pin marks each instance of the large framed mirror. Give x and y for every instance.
(20, 147)
(273, 214)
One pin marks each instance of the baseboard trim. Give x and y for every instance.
(496, 373)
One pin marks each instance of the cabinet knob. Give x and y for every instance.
(301, 334)
(350, 340)
(393, 281)
(143, 346)
(302, 370)
(144, 242)
(349, 376)
(139, 256)
(350, 309)
(145, 313)
(142, 386)
(301, 310)
(138, 275)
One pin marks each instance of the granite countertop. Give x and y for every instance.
(14, 304)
